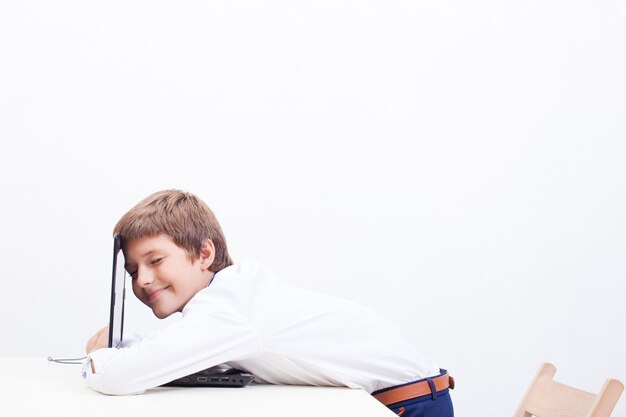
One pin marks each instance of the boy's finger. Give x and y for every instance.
(89, 345)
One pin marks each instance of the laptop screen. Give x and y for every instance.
(118, 295)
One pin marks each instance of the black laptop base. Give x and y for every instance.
(212, 377)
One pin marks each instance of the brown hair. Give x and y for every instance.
(182, 217)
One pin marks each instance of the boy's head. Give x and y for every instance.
(173, 245)
(182, 217)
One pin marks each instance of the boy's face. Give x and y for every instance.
(164, 277)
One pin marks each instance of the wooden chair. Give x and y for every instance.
(547, 398)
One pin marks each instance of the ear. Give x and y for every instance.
(207, 254)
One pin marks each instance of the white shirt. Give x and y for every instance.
(251, 320)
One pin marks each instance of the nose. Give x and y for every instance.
(144, 277)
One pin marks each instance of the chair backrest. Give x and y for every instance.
(547, 398)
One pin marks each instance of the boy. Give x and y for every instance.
(243, 316)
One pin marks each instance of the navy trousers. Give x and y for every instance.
(436, 404)
(425, 406)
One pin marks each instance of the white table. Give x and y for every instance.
(36, 387)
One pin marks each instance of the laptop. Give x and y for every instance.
(217, 376)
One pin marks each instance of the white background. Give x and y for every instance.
(459, 166)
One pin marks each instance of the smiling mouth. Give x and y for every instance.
(155, 294)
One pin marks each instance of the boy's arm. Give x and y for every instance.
(101, 341)
(191, 344)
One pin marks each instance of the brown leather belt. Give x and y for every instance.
(414, 390)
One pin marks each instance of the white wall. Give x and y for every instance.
(458, 166)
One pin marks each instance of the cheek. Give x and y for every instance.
(136, 290)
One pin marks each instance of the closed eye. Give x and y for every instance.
(156, 261)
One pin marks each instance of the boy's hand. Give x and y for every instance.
(98, 341)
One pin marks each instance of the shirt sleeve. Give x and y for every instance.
(200, 339)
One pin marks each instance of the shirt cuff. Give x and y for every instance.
(99, 359)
